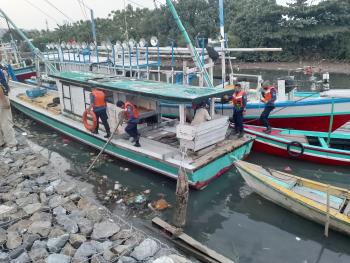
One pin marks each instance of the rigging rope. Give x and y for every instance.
(47, 1)
(40, 10)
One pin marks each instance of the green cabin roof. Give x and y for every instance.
(151, 89)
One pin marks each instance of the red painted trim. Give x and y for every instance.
(310, 123)
(24, 76)
(263, 147)
(275, 132)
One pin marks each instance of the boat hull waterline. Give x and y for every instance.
(293, 202)
(272, 144)
(198, 179)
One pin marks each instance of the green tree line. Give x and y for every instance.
(320, 31)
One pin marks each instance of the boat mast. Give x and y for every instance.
(93, 29)
(222, 40)
(35, 50)
(194, 53)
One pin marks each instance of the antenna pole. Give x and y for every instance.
(222, 33)
(35, 50)
(93, 29)
(195, 55)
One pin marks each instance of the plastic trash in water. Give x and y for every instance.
(287, 169)
(140, 199)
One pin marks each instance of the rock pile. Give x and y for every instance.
(45, 218)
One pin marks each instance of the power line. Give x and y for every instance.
(47, 1)
(133, 2)
(82, 9)
(38, 8)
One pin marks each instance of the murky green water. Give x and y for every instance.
(226, 216)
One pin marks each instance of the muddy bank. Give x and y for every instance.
(48, 216)
(331, 67)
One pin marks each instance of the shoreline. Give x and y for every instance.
(46, 215)
(324, 66)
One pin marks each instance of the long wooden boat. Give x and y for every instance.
(312, 113)
(211, 152)
(304, 145)
(304, 197)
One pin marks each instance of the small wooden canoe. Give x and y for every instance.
(304, 145)
(304, 197)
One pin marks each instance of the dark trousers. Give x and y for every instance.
(238, 120)
(102, 114)
(265, 115)
(131, 129)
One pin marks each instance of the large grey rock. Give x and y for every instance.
(3, 237)
(58, 258)
(13, 240)
(146, 249)
(30, 199)
(4, 257)
(179, 259)
(164, 259)
(98, 259)
(39, 244)
(68, 224)
(40, 227)
(109, 256)
(123, 235)
(59, 211)
(56, 232)
(21, 226)
(104, 230)
(85, 226)
(43, 198)
(120, 249)
(94, 213)
(56, 200)
(55, 244)
(29, 239)
(23, 258)
(76, 240)
(125, 259)
(85, 250)
(68, 250)
(84, 203)
(38, 254)
(65, 188)
(32, 208)
(41, 216)
(49, 190)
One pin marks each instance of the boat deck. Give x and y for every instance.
(159, 143)
(344, 129)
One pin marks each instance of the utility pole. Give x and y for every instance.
(47, 25)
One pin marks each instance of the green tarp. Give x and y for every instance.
(151, 89)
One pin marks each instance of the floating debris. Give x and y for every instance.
(287, 169)
(160, 205)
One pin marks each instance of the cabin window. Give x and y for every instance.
(67, 100)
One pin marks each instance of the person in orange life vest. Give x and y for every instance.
(268, 97)
(99, 106)
(132, 116)
(239, 101)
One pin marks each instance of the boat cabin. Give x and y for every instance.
(210, 149)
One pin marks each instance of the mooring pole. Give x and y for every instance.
(182, 191)
(330, 123)
(222, 33)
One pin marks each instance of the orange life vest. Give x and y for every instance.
(99, 98)
(237, 98)
(266, 93)
(134, 109)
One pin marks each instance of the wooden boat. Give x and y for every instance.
(210, 153)
(304, 197)
(304, 145)
(312, 113)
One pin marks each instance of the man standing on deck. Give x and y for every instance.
(132, 116)
(239, 101)
(4, 80)
(99, 106)
(268, 96)
(7, 134)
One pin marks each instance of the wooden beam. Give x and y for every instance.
(185, 241)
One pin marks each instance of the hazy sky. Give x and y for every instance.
(25, 15)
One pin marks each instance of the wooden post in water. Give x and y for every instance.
(182, 191)
(327, 214)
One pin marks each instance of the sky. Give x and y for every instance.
(26, 14)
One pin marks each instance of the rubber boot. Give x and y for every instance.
(267, 130)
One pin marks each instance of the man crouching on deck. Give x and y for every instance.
(132, 116)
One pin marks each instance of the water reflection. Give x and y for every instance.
(226, 216)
